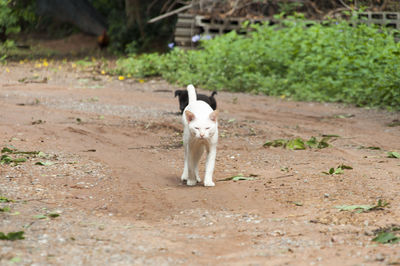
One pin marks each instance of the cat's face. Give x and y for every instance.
(202, 127)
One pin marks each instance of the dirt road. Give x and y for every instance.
(110, 162)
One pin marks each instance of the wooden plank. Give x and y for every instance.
(186, 32)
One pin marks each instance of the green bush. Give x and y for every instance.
(331, 63)
(8, 20)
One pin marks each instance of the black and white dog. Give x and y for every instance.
(184, 100)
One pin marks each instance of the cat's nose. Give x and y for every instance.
(201, 135)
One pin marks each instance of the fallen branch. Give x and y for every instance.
(176, 11)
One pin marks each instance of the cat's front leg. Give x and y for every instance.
(210, 163)
(185, 173)
(191, 179)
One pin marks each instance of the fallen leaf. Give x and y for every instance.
(40, 216)
(297, 203)
(4, 199)
(393, 154)
(296, 144)
(364, 208)
(53, 215)
(238, 178)
(47, 163)
(386, 238)
(12, 236)
(5, 209)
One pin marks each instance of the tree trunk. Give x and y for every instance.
(134, 15)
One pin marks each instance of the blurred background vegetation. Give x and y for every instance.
(126, 24)
(335, 61)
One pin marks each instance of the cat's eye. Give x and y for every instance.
(207, 128)
(197, 128)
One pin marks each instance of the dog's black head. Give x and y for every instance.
(183, 99)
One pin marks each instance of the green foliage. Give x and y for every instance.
(331, 62)
(140, 66)
(8, 25)
(8, 19)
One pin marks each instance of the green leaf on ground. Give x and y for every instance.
(5, 209)
(42, 155)
(16, 260)
(386, 238)
(393, 154)
(296, 144)
(47, 163)
(275, 143)
(360, 208)
(363, 208)
(40, 216)
(323, 143)
(312, 142)
(345, 167)
(12, 236)
(19, 160)
(53, 215)
(15, 151)
(4, 199)
(370, 148)
(394, 123)
(343, 115)
(6, 150)
(5, 159)
(239, 177)
(297, 203)
(330, 136)
(338, 170)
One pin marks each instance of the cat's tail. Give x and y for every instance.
(192, 93)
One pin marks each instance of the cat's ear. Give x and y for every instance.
(214, 116)
(189, 116)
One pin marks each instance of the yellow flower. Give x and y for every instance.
(141, 80)
(38, 65)
(103, 72)
(283, 96)
(45, 63)
(21, 62)
(73, 65)
(121, 77)
(8, 70)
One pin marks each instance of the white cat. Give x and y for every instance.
(200, 133)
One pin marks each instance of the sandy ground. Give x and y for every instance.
(113, 157)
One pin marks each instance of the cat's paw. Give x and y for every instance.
(198, 179)
(184, 178)
(191, 182)
(209, 184)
